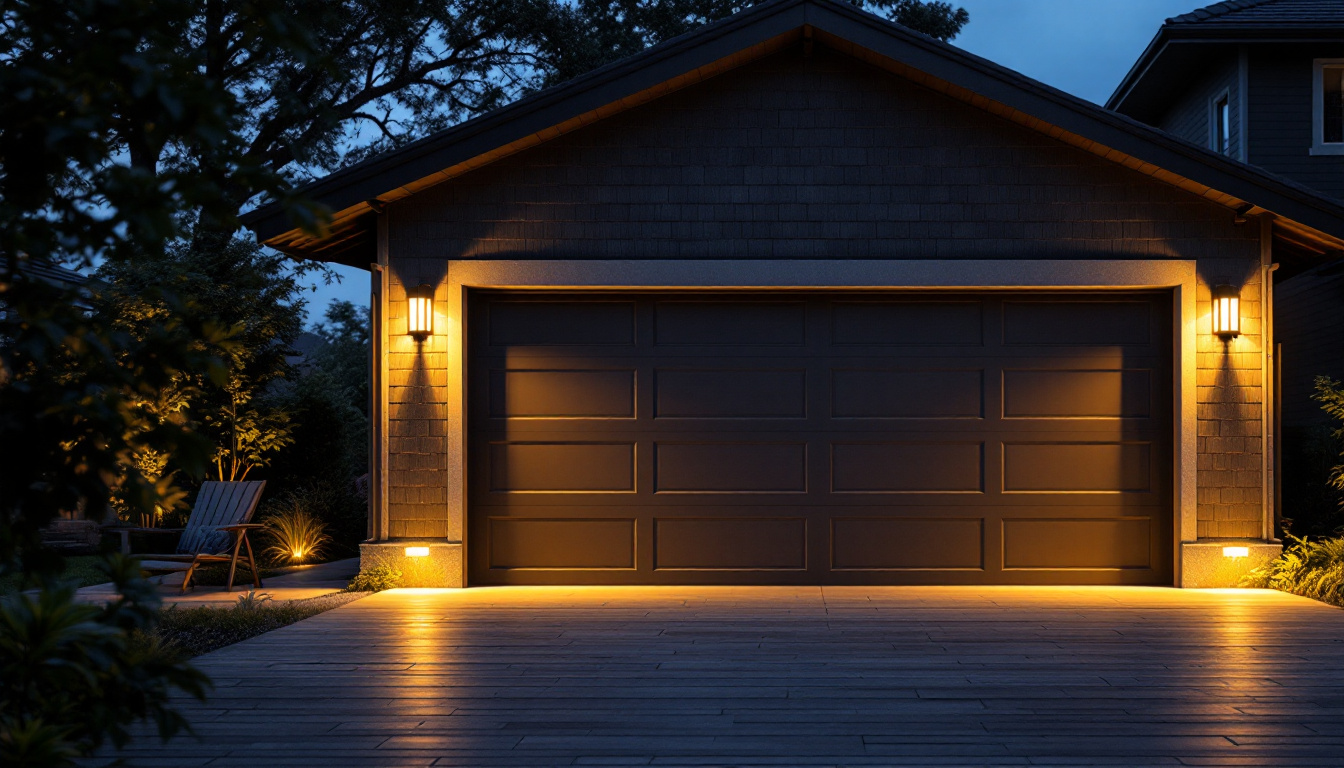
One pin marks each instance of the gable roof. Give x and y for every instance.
(1279, 13)
(356, 194)
(1182, 45)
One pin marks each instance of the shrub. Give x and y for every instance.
(1312, 569)
(296, 535)
(375, 579)
(333, 503)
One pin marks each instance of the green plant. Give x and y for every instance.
(333, 502)
(1312, 569)
(296, 535)
(252, 601)
(375, 579)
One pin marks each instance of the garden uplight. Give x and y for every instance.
(1226, 311)
(417, 551)
(420, 311)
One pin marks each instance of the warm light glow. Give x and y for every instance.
(417, 551)
(420, 311)
(1236, 551)
(1226, 311)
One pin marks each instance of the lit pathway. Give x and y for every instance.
(781, 676)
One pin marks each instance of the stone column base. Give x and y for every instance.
(430, 562)
(1218, 562)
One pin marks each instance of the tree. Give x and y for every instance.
(85, 86)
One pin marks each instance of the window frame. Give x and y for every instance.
(1318, 143)
(1220, 102)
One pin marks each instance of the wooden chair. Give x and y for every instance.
(216, 532)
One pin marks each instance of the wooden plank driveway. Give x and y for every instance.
(781, 676)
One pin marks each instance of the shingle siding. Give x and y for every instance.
(1189, 117)
(817, 158)
(1280, 115)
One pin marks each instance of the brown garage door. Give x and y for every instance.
(876, 438)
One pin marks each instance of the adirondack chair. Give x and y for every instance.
(216, 532)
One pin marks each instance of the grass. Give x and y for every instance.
(217, 575)
(1313, 569)
(194, 631)
(82, 569)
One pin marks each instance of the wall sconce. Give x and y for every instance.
(1226, 311)
(1235, 552)
(420, 311)
(417, 551)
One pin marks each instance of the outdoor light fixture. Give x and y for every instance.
(1236, 551)
(420, 311)
(1226, 311)
(417, 551)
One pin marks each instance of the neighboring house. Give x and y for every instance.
(803, 297)
(1262, 81)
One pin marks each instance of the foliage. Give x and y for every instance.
(77, 571)
(234, 284)
(588, 34)
(91, 93)
(296, 534)
(252, 601)
(329, 502)
(375, 579)
(193, 631)
(1312, 569)
(72, 677)
(1309, 455)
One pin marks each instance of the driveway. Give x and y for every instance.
(781, 676)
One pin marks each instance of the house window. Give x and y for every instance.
(1328, 107)
(1222, 134)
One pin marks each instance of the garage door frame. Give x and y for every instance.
(1178, 276)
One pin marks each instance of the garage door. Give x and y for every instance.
(874, 438)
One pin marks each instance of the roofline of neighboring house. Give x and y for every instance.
(357, 193)
(1222, 33)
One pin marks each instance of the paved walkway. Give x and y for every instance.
(300, 583)
(781, 676)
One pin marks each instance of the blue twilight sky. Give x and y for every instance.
(1080, 46)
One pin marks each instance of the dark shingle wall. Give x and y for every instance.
(1280, 108)
(820, 158)
(1189, 116)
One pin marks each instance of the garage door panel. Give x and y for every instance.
(869, 393)
(1114, 543)
(902, 543)
(561, 323)
(730, 543)
(515, 394)
(908, 323)
(1125, 394)
(1077, 467)
(730, 323)
(730, 393)
(730, 467)
(582, 543)
(856, 438)
(562, 467)
(1077, 323)
(907, 467)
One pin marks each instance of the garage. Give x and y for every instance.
(931, 437)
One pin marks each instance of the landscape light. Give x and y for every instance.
(1236, 551)
(417, 551)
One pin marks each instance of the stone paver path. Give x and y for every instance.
(701, 676)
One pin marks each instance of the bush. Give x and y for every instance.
(296, 534)
(1312, 569)
(375, 579)
(335, 505)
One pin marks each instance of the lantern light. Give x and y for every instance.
(417, 551)
(1226, 311)
(420, 311)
